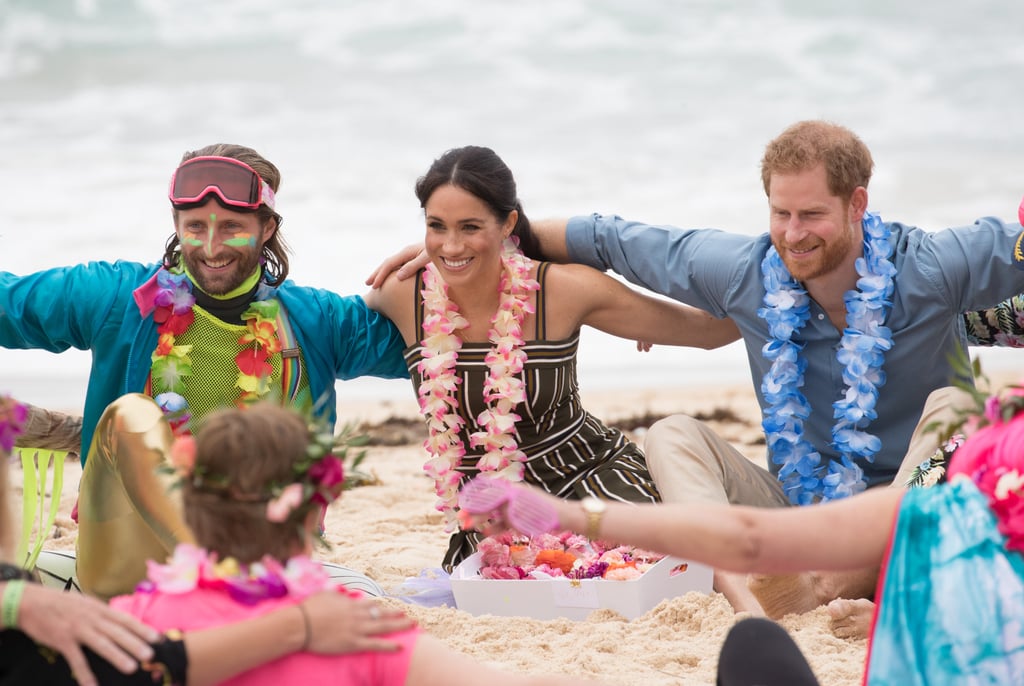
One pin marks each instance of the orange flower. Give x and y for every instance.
(264, 334)
(620, 565)
(164, 344)
(556, 558)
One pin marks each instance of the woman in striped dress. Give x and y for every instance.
(492, 340)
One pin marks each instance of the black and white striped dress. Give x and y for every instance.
(570, 453)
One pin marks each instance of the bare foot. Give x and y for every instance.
(783, 594)
(851, 618)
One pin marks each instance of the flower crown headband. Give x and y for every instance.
(13, 416)
(319, 476)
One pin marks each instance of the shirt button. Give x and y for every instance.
(820, 316)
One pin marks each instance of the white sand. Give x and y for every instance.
(391, 532)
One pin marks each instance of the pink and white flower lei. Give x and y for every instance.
(503, 388)
(191, 567)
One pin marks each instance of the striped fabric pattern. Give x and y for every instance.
(570, 453)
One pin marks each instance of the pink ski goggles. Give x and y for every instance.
(234, 182)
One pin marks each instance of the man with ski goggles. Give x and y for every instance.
(217, 322)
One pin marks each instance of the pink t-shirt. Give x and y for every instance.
(204, 608)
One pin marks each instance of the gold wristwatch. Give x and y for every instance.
(594, 509)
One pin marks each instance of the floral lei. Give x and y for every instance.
(191, 568)
(861, 350)
(503, 389)
(168, 296)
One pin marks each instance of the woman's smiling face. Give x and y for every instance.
(464, 236)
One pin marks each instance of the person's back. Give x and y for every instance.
(216, 605)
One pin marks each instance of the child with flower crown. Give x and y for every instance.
(951, 598)
(51, 637)
(253, 482)
(492, 338)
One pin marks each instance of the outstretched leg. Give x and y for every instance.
(125, 512)
(690, 463)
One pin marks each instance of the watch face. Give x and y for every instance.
(593, 505)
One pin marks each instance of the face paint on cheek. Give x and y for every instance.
(194, 242)
(242, 240)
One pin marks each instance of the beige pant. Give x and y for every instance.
(691, 462)
(127, 512)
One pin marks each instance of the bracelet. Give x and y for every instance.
(307, 629)
(9, 572)
(11, 602)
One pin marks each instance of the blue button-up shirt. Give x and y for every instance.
(938, 276)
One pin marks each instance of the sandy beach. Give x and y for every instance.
(390, 531)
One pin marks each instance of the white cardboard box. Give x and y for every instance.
(575, 598)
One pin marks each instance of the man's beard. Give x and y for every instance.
(245, 263)
(830, 256)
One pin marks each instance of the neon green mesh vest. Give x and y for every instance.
(211, 384)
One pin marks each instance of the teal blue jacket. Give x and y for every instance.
(91, 307)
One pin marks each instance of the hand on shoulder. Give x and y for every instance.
(67, 621)
(405, 263)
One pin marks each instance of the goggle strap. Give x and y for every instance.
(267, 196)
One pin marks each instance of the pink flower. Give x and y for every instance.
(575, 543)
(547, 542)
(302, 576)
(281, 507)
(182, 571)
(540, 571)
(503, 572)
(522, 555)
(12, 421)
(183, 454)
(328, 474)
(992, 409)
(1010, 513)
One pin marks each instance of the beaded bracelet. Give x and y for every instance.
(11, 602)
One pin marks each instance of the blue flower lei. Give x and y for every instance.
(786, 310)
